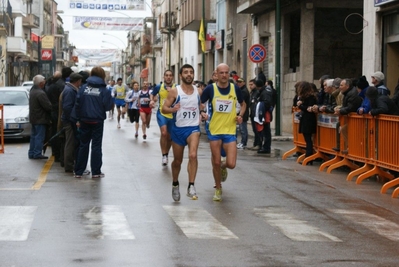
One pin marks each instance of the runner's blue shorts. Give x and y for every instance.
(179, 135)
(226, 138)
(119, 103)
(162, 120)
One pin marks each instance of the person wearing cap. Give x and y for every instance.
(380, 104)
(221, 126)
(377, 79)
(243, 126)
(67, 103)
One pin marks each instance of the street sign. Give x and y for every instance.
(47, 54)
(257, 53)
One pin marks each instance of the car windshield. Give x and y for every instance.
(14, 98)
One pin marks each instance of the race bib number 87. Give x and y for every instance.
(224, 106)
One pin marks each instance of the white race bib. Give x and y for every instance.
(224, 106)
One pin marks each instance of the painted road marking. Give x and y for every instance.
(108, 222)
(40, 180)
(293, 228)
(373, 222)
(15, 222)
(197, 223)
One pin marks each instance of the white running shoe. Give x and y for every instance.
(191, 193)
(240, 146)
(165, 160)
(119, 126)
(175, 193)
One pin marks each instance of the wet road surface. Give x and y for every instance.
(273, 213)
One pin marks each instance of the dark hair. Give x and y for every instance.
(74, 77)
(252, 81)
(167, 71)
(119, 79)
(66, 72)
(314, 87)
(85, 75)
(270, 83)
(305, 90)
(185, 66)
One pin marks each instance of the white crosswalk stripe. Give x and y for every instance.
(293, 228)
(373, 222)
(15, 222)
(108, 222)
(197, 223)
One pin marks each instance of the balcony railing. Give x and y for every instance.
(16, 45)
(31, 21)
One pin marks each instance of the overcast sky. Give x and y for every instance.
(95, 38)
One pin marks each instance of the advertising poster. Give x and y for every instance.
(107, 23)
(211, 32)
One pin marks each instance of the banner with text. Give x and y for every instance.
(98, 57)
(107, 23)
(139, 5)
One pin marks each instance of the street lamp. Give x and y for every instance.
(123, 43)
(112, 44)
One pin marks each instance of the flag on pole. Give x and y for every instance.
(201, 35)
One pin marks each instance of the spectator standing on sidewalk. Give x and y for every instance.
(39, 116)
(92, 103)
(377, 79)
(252, 108)
(243, 127)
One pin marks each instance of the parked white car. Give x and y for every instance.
(15, 100)
(28, 83)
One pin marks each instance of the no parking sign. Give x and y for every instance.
(257, 53)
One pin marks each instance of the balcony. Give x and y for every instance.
(254, 6)
(16, 45)
(32, 51)
(31, 21)
(191, 14)
(158, 43)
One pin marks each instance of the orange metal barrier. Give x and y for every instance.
(371, 142)
(2, 122)
(298, 139)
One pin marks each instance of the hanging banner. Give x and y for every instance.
(382, 2)
(107, 23)
(138, 5)
(98, 57)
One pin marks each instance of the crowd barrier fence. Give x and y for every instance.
(367, 145)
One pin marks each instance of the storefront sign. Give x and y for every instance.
(211, 32)
(108, 4)
(219, 43)
(382, 2)
(48, 41)
(47, 54)
(107, 23)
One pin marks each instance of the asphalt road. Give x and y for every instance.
(273, 213)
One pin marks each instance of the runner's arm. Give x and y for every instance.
(167, 105)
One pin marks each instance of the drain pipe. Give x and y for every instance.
(278, 67)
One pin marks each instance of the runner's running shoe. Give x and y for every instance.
(218, 195)
(175, 193)
(165, 160)
(191, 193)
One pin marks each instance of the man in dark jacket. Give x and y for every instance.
(67, 102)
(243, 126)
(380, 104)
(265, 96)
(92, 102)
(351, 103)
(53, 94)
(252, 108)
(377, 79)
(39, 117)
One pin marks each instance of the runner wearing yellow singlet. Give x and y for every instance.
(222, 97)
(165, 121)
(119, 92)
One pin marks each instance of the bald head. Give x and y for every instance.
(223, 74)
(57, 74)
